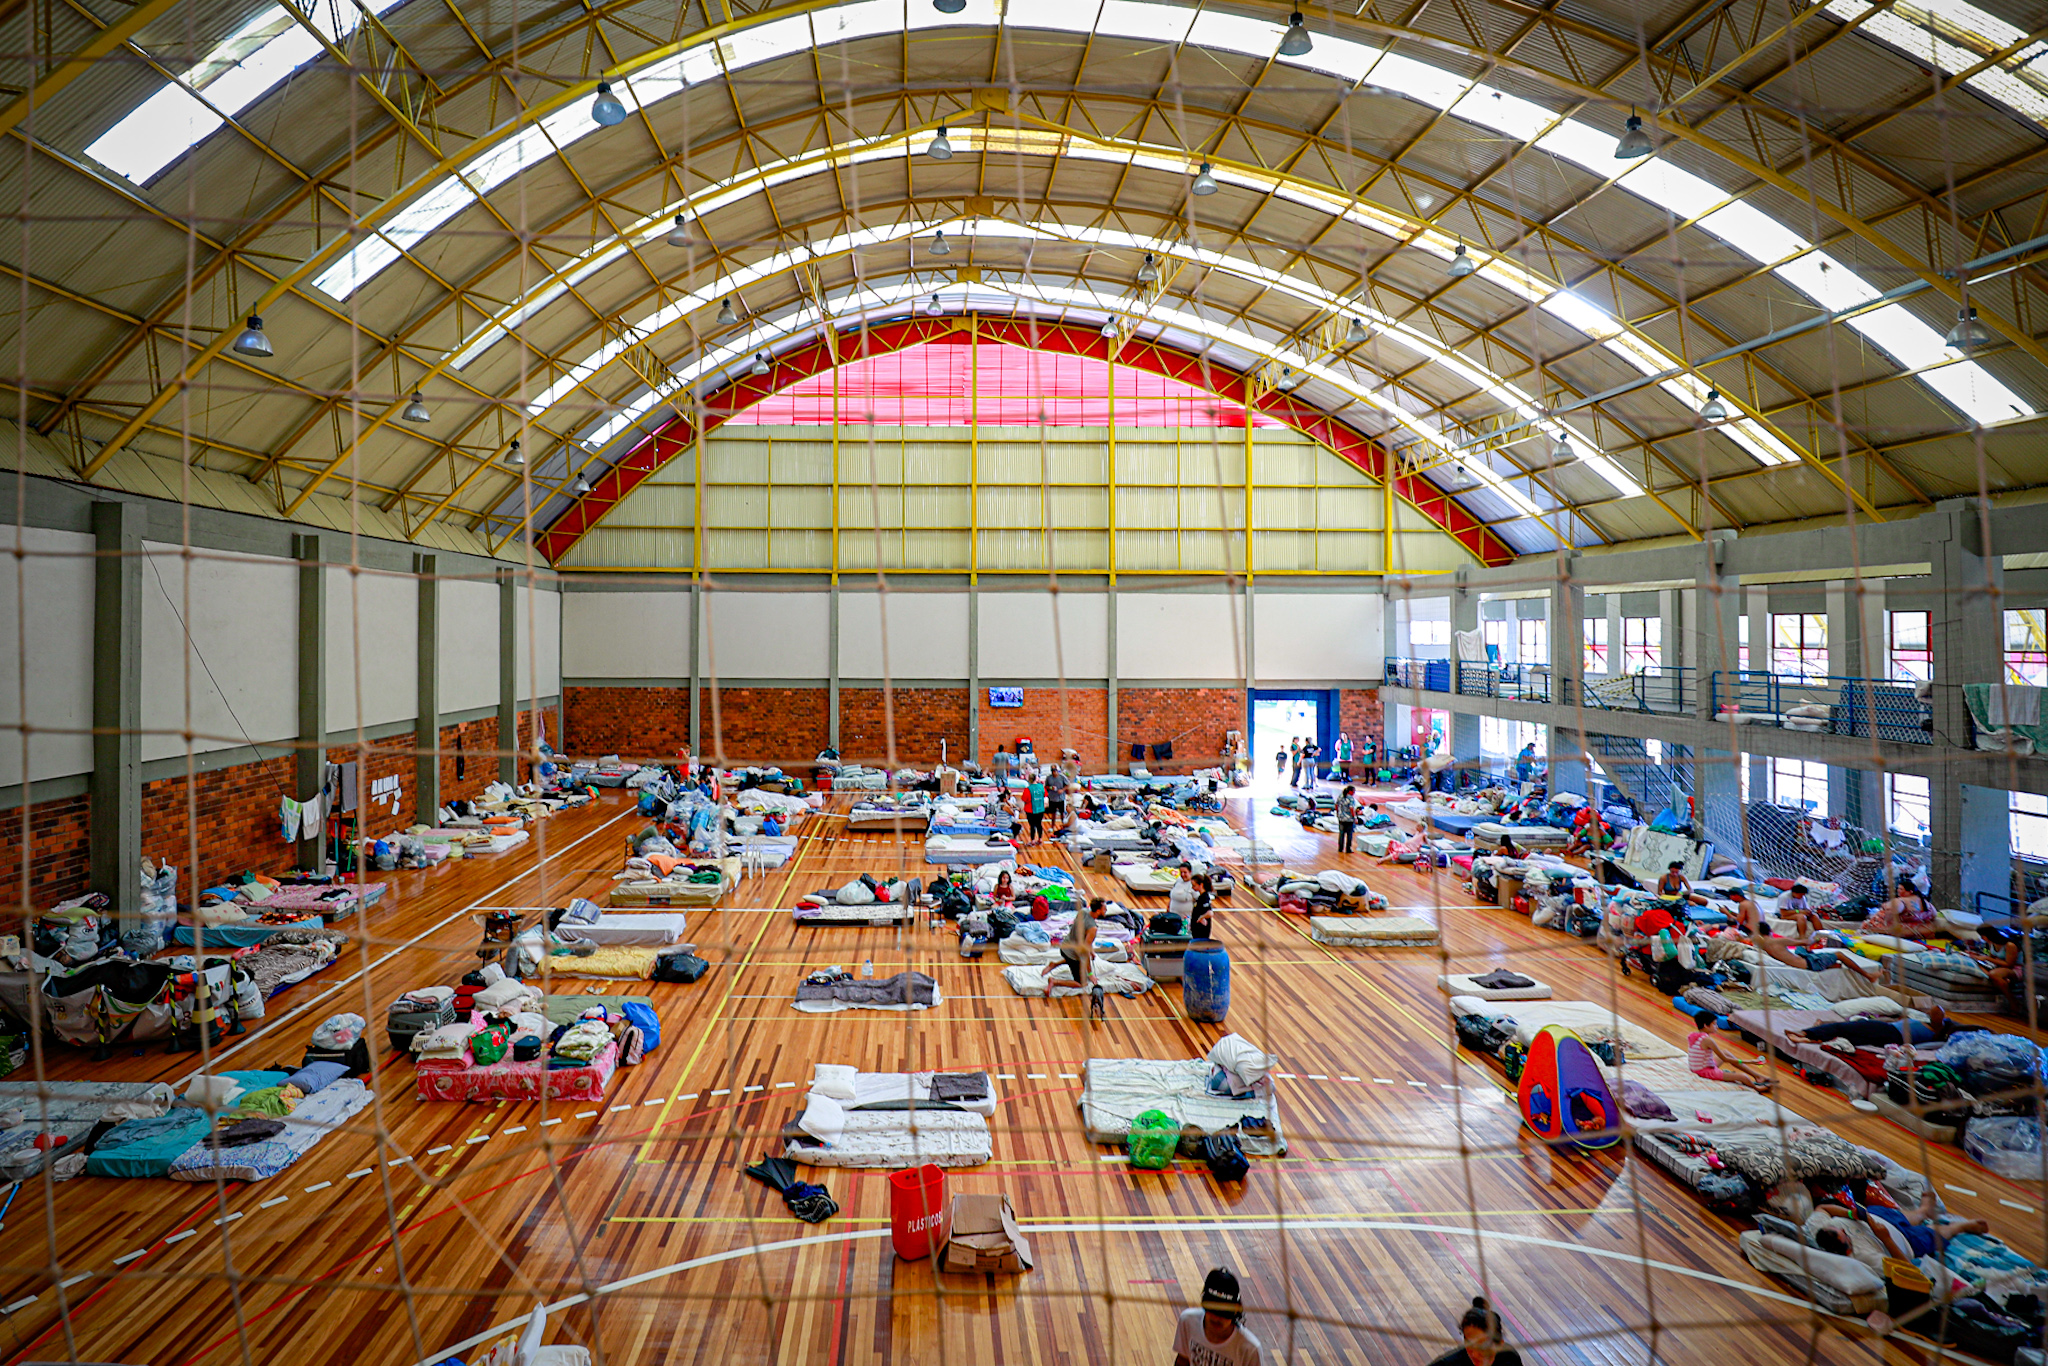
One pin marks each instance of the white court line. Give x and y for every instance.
(515, 1129)
(445, 1147)
(321, 1187)
(691, 1096)
(85, 1276)
(656, 1101)
(304, 1006)
(1317, 1076)
(1342, 1078)
(227, 1218)
(2014, 1204)
(726, 1092)
(480, 1138)
(275, 1200)
(544, 1123)
(586, 1114)
(746, 1089)
(1959, 1190)
(355, 1174)
(616, 1108)
(784, 1085)
(19, 1304)
(131, 1256)
(180, 1237)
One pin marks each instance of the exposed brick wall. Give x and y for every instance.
(786, 726)
(1193, 719)
(1086, 730)
(58, 851)
(480, 765)
(635, 723)
(1360, 715)
(922, 718)
(389, 757)
(237, 822)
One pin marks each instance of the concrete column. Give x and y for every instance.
(1464, 725)
(1717, 787)
(832, 665)
(1613, 603)
(696, 668)
(1567, 673)
(312, 685)
(1715, 633)
(508, 677)
(116, 822)
(1984, 821)
(973, 673)
(1965, 583)
(1115, 756)
(426, 726)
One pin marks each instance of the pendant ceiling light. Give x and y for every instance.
(942, 146)
(1109, 327)
(606, 110)
(1635, 143)
(939, 246)
(726, 317)
(515, 456)
(1148, 270)
(581, 486)
(1462, 264)
(762, 364)
(679, 235)
(1204, 182)
(1356, 334)
(1967, 335)
(1563, 449)
(253, 342)
(933, 306)
(416, 411)
(1714, 409)
(1295, 42)
(949, 6)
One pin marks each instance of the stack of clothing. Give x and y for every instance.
(579, 1044)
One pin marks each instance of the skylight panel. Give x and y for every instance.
(1583, 145)
(779, 38)
(1119, 19)
(1077, 16)
(1826, 281)
(1403, 75)
(1230, 32)
(1758, 441)
(1975, 394)
(1754, 234)
(1678, 192)
(1575, 309)
(155, 134)
(1504, 113)
(1340, 57)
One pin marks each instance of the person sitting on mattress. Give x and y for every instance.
(1484, 1343)
(1911, 1235)
(2010, 951)
(1674, 886)
(1376, 819)
(1806, 922)
(1005, 893)
(1507, 848)
(1908, 913)
(1705, 1056)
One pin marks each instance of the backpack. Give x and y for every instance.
(642, 1017)
(1167, 922)
(1225, 1156)
(679, 967)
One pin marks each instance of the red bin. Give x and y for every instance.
(918, 1211)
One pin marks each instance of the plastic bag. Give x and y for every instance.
(2010, 1146)
(1154, 1138)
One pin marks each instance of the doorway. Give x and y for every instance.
(1283, 715)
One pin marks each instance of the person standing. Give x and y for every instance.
(1341, 770)
(1034, 796)
(1280, 763)
(1347, 818)
(1294, 762)
(1056, 797)
(1310, 751)
(999, 765)
(1215, 1335)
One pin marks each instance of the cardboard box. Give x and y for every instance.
(984, 1237)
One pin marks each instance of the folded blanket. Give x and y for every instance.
(905, 990)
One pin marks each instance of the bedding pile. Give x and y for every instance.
(1116, 1091)
(892, 1119)
(825, 993)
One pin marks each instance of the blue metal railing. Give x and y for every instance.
(1671, 691)
(1430, 675)
(1829, 703)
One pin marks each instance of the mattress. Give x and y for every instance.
(1090, 842)
(1591, 1021)
(833, 1007)
(1041, 979)
(1145, 878)
(1808, 1055)
(1373, 931)
(1533, 836)
(943, 849)
(893, 1088)
(624, 961)
(447, 1079)
(887, 818)
(887, 1139)
(316, 1117)
(237, 936)
(169, 1135)
(656, 892)
(880, 913)
(1840, 1285)
(1465, 984)
(657, 928)
(316, 898)
(1116, 1091)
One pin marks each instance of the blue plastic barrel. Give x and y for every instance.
(1205, 981)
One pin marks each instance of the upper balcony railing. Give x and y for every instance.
(1830, 704)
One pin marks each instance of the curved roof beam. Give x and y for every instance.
(833, 350)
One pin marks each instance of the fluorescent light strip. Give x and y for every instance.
(238, 72)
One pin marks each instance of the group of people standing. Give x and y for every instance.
(1044, 794)
(1298, 763)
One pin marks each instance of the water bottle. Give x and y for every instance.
(867, 967)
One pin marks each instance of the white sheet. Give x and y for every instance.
(1464, 984)
(1587, 1019)
(872, 1087)
(1033, 979)
(659, 928)
(885, 1138)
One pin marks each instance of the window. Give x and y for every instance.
(1909, 810)
(1909, 653)
(1742, 644)
(1642, 644)
(1495, 634)
(2030, 825)
(1421, 633)
(1799, 644)
(1496, 736)
(2026, 648)
(1800, 784)
(1530, 733)
(1532, 642)
(1595, 629)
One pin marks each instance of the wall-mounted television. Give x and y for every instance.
(1006, 697)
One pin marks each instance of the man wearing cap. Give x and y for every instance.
(1213, 1335)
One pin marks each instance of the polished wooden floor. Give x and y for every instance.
(1409, 1186)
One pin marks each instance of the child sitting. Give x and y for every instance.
(1703, 1053)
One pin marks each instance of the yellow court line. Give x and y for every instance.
(711, 1025)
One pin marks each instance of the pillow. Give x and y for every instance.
(316, 1077)
(213, 1092)
(1640, 1101)
(823, 1118)
(833, 1080)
